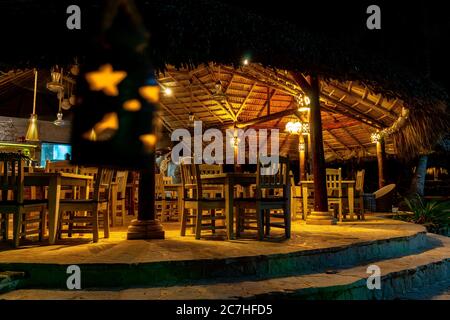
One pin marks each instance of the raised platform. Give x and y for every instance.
(211, 268)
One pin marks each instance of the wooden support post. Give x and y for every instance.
(146, 226)
(301, 157)
(381, 157)
(320, 214)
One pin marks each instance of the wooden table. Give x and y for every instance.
(350, 184)
(54, 181)
(229, 181)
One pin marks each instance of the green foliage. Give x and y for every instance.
(434, 215)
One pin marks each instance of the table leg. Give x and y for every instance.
(54, 193)
(229, 206)
(351, 201)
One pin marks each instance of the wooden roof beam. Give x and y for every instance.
(353, 113)
(228, 111)
(337, 139)
(241, 108)
(363, 101)
(195, 98)
(263, 119)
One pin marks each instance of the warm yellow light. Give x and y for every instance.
(32, 131)
(150, 93)
(109, 122)
(149, 141)
(294, 127)
(132, 105)
(235, 141)
(304, 109)
(105, 79)
(245, 62)
(375, 137)
(301, 147)
(168, 91)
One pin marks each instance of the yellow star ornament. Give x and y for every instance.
(105, 79)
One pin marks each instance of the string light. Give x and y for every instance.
(168, 91)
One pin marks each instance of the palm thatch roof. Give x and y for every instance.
(193, 38)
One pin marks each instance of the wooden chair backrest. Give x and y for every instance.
(89, 171)
(121, 180)
(273, 176)
(159, 185)
(334, 182)
(102, 183)
(12, 176)
(190, 176)
(210, 169)
(359, 185)
(167, 180)
(60, 166)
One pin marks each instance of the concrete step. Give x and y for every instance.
(399, 276)
(180, 272)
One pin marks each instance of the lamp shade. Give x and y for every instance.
(32, 131)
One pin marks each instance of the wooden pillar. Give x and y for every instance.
(320, 214)
(302, 157)
(146, 226)
(381, 158)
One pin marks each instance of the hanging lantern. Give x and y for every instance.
(375, 137)
(56, 84)
(32, 130)
(294, 127)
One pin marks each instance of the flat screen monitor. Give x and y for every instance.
(54, 152)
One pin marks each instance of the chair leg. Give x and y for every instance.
(42, 224)
(267, 221)
(198, 224)
(213, 221)
(260, 222)
(5, 225)
(340, 211)
(95, 225)
(183, 222)
(106, 227)
(287, 222)
(239, 218)
(17, 222)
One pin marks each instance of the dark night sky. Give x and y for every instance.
(414, 33)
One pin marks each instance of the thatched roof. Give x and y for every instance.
(192, 34)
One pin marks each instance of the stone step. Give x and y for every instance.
(179, 272)
(398, 277)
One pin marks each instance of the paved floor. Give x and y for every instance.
(117, 249)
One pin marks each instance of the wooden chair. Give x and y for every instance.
(273, 187)
(296, 199)
(359, 190)
(171, 200)
(131, 193)
(334, 189)
(89, 171)
(195, 202)
(63, 166)
(97, 207)
(117, 207)
(12, 179)
(212, 190)
(163, 200)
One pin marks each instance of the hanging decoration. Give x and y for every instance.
(32, 130)
(115, 122)
(395, 127)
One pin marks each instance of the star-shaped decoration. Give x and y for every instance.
(105, 79)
